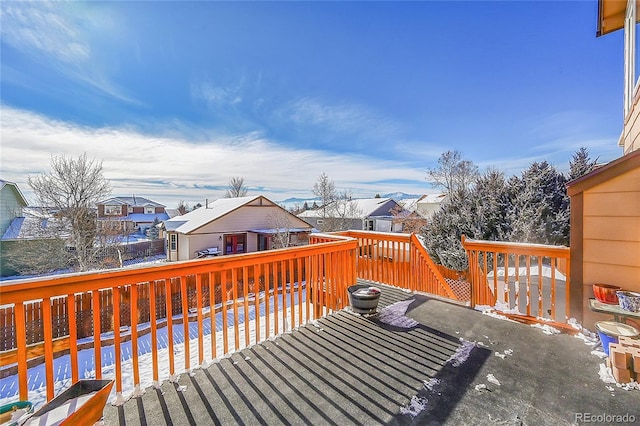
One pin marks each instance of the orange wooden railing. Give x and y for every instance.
(527, 279)
(399, 260)
(118, 306)
(229, 284)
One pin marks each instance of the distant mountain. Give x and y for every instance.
(299, 202)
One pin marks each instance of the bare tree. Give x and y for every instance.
(280, 222)
(412, 222)
(453, 173)
(183, 208)
(325, 189)
(72, 188)
(342, 213)
(236, 188)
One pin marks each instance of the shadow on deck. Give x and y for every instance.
(348, 369)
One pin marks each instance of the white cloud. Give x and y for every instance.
(45, 28)
(170, 169)
(345, 118)
(60, 37)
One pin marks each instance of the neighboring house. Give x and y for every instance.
(34, 225)
(369, 214)
(424, 206)
(130, 214)
(605, 204)
(231, 226)
(11, 203)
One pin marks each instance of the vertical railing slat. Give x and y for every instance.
(134, 336)
(97, 356)
(73, 336)
(199, 319)
(154, 331)
(48, 347)
(116, 338)
(184, 294)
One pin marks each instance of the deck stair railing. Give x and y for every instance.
(400, 260)
(530, 280)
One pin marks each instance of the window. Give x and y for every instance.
(368, 225)
(129, 209)
(630, 56)
(320, 221)
(149, 210)
(112, 210)
(173, 242)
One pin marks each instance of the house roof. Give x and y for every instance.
(368, 207)
(35, 224)
(432, 198)
(411, 204)
(611, 15)
(602, 174)
(130, 201)
(202, 216)
(14, 186)
(138, 217)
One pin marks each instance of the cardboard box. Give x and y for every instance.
(620, 357)
(629, 341)
(622, 375)
(635, 354)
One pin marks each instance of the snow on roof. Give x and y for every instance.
(204, 215)
(365, 206)
(30, 227)
(131, 201)
(138, 217)
(278, 230)
(432, 198)
(409, 203)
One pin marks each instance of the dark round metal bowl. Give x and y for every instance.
(363, 299)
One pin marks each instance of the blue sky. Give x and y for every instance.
(175, 98)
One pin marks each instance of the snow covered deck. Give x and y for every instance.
(421, 361)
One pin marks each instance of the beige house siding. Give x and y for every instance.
(209, 229)
(629, 140)
(611, 237)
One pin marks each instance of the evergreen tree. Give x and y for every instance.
(581, 164)
(153, 232)
(540, 211)
(442, 235)
(492, 205)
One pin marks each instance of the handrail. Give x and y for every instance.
(284, 276)
(421, 251)
(400, 260)
(291, 286)
(535, 278)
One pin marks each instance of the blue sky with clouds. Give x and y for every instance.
(175, 98)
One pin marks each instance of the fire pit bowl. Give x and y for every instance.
(363, 298)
